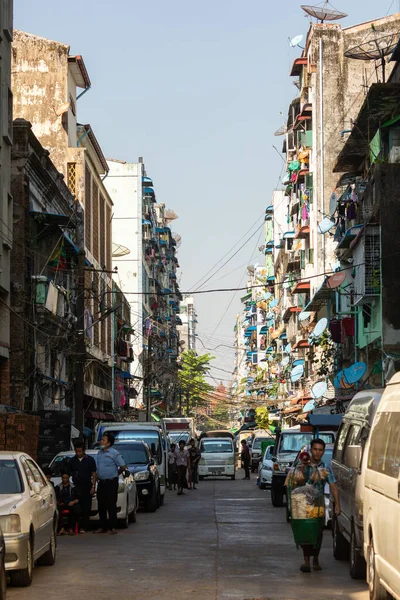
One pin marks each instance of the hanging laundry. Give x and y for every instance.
(294, 165)
(304, 212)
(348, 325)
(335, 327)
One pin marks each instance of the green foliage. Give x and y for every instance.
(192, 379)
(325, 360)
(262, 417)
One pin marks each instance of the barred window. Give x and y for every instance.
(71, 177)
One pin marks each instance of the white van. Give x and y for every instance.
(217, 458)
(154, 437)
(382, 497)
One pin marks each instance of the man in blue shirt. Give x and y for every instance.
(109, 466)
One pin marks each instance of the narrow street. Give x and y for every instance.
(223, 541)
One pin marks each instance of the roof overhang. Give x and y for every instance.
(320, 298)
(298, 65)
(381, 104)
(301, 287)
(302, 232)
(87, 129)
(79, 72)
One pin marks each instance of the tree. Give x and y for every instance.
(192, 380)
(262, 417)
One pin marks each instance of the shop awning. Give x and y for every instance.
(47, 218)
(289, 235)
(246, 298)
(298, 65)
(303, 232)
(148, 191)
(251, 328)
(146, 222)
(263, 330)
(301, 344)
(301, 287)
(349, 236)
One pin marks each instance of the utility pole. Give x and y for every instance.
(80, 347)
(149, 378)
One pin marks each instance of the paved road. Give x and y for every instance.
(223, 541)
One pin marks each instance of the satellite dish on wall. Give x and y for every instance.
(323, 12)
(288, 349)
(299, 361)
(281, 131)
(304, 315)
(336, 280)
(337, 380)
(376, 46)
(320, 328)
(319, 389)
(119, 250)
(309, 406)
(353, 374)
(333, 204)
(274, 303)
(299, 370)
(296, 41)
(326, 225)
(285, 361)
(267, 295)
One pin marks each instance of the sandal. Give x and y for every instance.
(305, 568)
(317, 567)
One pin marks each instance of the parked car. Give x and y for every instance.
(217, 458)
(265, 469)
(28, 516)
(381, 505)
(287, 445)
(142, 466)
(256, 451)
(327, 460)
(127, 502)
(348, 529)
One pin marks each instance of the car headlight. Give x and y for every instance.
(230, 460)
(202, 461)
(10, 524)
(141, 475)
(121, 488)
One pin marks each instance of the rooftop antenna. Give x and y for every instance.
(376, 46)
(324, 12)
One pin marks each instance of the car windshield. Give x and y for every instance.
(145, 435)
(295, 441)
(10, 480)
(132, 455)
(179, 436)
(208, 447)
(257, 443)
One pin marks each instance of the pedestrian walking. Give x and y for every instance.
(182, 465)
(194, 457)
(245, 458)
(305, 484)
(68, 504)
(110, 465)
(172, 470)
(83, 473)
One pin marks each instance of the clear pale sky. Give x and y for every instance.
(197, 89)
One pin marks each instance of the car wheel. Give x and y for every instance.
(276, 497)
(23, 577)
(124, 523)
(376, 590)
(201, 477)
(152, 503)
(3, 581)
(49, 558)
(340, 545)
(357, 562)
(233, 477)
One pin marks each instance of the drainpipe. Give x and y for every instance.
(82, 93)
(84, 134)
(322, 138)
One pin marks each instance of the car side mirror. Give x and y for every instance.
(353, 457)
(36, 488)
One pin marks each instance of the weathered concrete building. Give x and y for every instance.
(6, 116)
(46, 79)
(43, 279)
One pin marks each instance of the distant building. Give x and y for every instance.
(188, 319)
(6, 201)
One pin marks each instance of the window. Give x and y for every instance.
(311, 256)
(71, 177)
(384, 451)
(340, 440)
(302, 259)
(353, 439)
(209, 447)
(36, 473)
(10, 481)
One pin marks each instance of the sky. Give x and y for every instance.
(198, 90)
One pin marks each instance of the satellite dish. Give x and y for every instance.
(304, 315)
(286, 284)
(336, 280)
(353, 374)
(281, 131)
(170, 215)
(333, 204)
(119, 250)
(326, 225)
(288, 349)
(177, 238)
(267, 295)
(274, 303)
(322, 12)
(320, 327)
(337, 380)
(376, 46)
(319, 389)
(296, 41)
(299, 370)
(309, 406)
(270, 358)
(269, 316)
(285, 361)
(299, 361)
